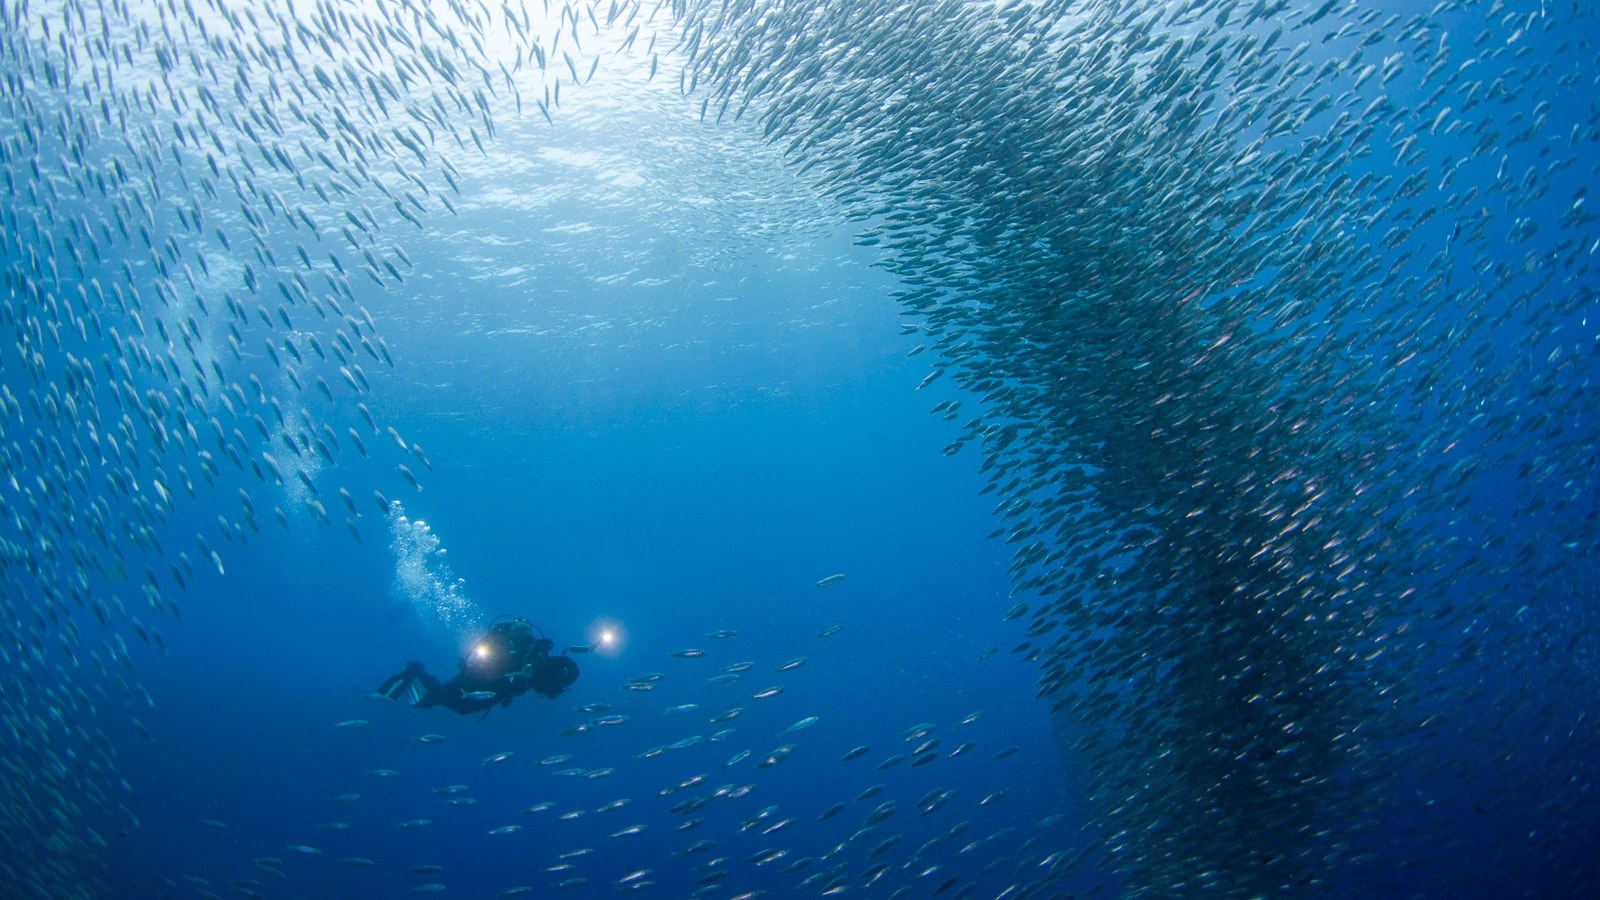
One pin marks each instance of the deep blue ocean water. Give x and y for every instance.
(673, 461)
(663, 388)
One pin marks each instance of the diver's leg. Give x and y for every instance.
(459, 704)
(452, 695)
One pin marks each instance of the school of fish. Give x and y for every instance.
(1269, 319)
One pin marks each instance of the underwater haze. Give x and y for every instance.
(969, 449)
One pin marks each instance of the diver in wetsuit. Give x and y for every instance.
(504, 663)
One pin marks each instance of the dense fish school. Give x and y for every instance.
(1254, 432)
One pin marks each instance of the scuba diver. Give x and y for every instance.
(503, 664)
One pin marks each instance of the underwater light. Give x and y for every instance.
(605, 636)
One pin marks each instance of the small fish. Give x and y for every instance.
(722, 634)
(725, 716)
(830, 631)
(431, 739)
(682, 708)
(792, 664)
(934, 800)
(767, 856)
(831, 580)
(360, 862)
(413, 824)
(855, 753)
(801, 725)
(351, 723)
(539, 807)
(724, 678)
(631, 829)
(505, 829)
(499, 757)
(737, 667)
(477, 696)
(882, 811)
(769, 692)
(688, 654)
(307, 849)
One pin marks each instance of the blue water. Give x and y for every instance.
(699, 471)
(663, 388)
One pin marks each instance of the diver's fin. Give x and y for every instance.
(392, 688)
(415, 690)
(407, 685)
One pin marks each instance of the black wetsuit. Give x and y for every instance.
(504, 664)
